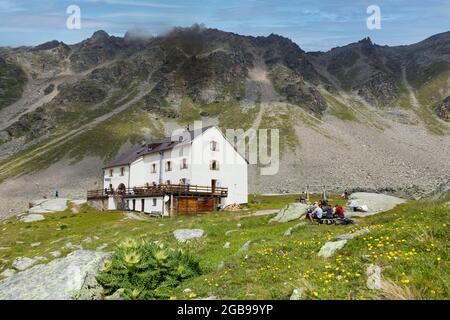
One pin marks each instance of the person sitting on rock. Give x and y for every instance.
(316, 214)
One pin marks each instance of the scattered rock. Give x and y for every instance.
(352, 235)
(330, 248)
(8, 273)
(374, 281)
(298, 294)
(56, 253)
(221, 266)
(35, 244)
(183, 235)
(187, 290)
(20, 242)
(48, 206)
(87, 240)
(32, 218)
(61, 279)
(291, 211)
(246, 246)
(41, 258)
(226, 245)
(133, 216)
(291, 229)
(22, 263)
(239, 225)
(230, 232)
(102, 247)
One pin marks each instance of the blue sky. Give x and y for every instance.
(313, 24)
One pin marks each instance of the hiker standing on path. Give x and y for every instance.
(56, 194)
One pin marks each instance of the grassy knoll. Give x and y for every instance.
(409, 242)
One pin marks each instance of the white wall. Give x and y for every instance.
(148, 205)
(116, 179)
(232, 171)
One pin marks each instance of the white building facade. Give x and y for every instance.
(193, 171)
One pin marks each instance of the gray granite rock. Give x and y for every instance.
(32, 218)
(60, 279)
(330, 248)
(298, 294)
(291, 211)
(22, 263)
(374, 281)
(352, 235)
(183, 235)
(226, 245)
(7, 273)
(246, 246)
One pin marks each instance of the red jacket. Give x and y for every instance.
(340, 211)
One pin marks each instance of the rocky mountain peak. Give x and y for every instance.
(99, 36)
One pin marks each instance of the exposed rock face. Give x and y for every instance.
(292, 211)
(375, 203)
(60, 279)
(352, 235)
(330, 248)
(48, 206)
(374, 281)
(32, 218)
(298, 294)
(292, 229)
(182, 235)
(23, 263)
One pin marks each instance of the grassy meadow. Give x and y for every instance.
(410, 242)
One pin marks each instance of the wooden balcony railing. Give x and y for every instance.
(160, 190)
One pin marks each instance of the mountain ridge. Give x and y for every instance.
(133, 88)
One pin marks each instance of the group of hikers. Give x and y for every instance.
(323, 210)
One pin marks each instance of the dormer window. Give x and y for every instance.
(184, 164)
(214, 165)
(169, 166)
(154, 168)
(214, 146)
(111, 172)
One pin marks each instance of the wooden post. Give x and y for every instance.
(171, 205)
(307, 193)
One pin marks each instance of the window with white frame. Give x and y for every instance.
(111, 172)
(153, 168)
(168, 165)
(154, 202)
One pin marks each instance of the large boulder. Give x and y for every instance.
(48, 205)
(22, 263)
(330, 248)
(61, 279)
(375, 203)
(291, 211)
(32, 217)
(183, 235)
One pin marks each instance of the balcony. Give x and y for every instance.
(159, 191)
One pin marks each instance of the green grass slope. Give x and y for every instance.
(409, 242)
